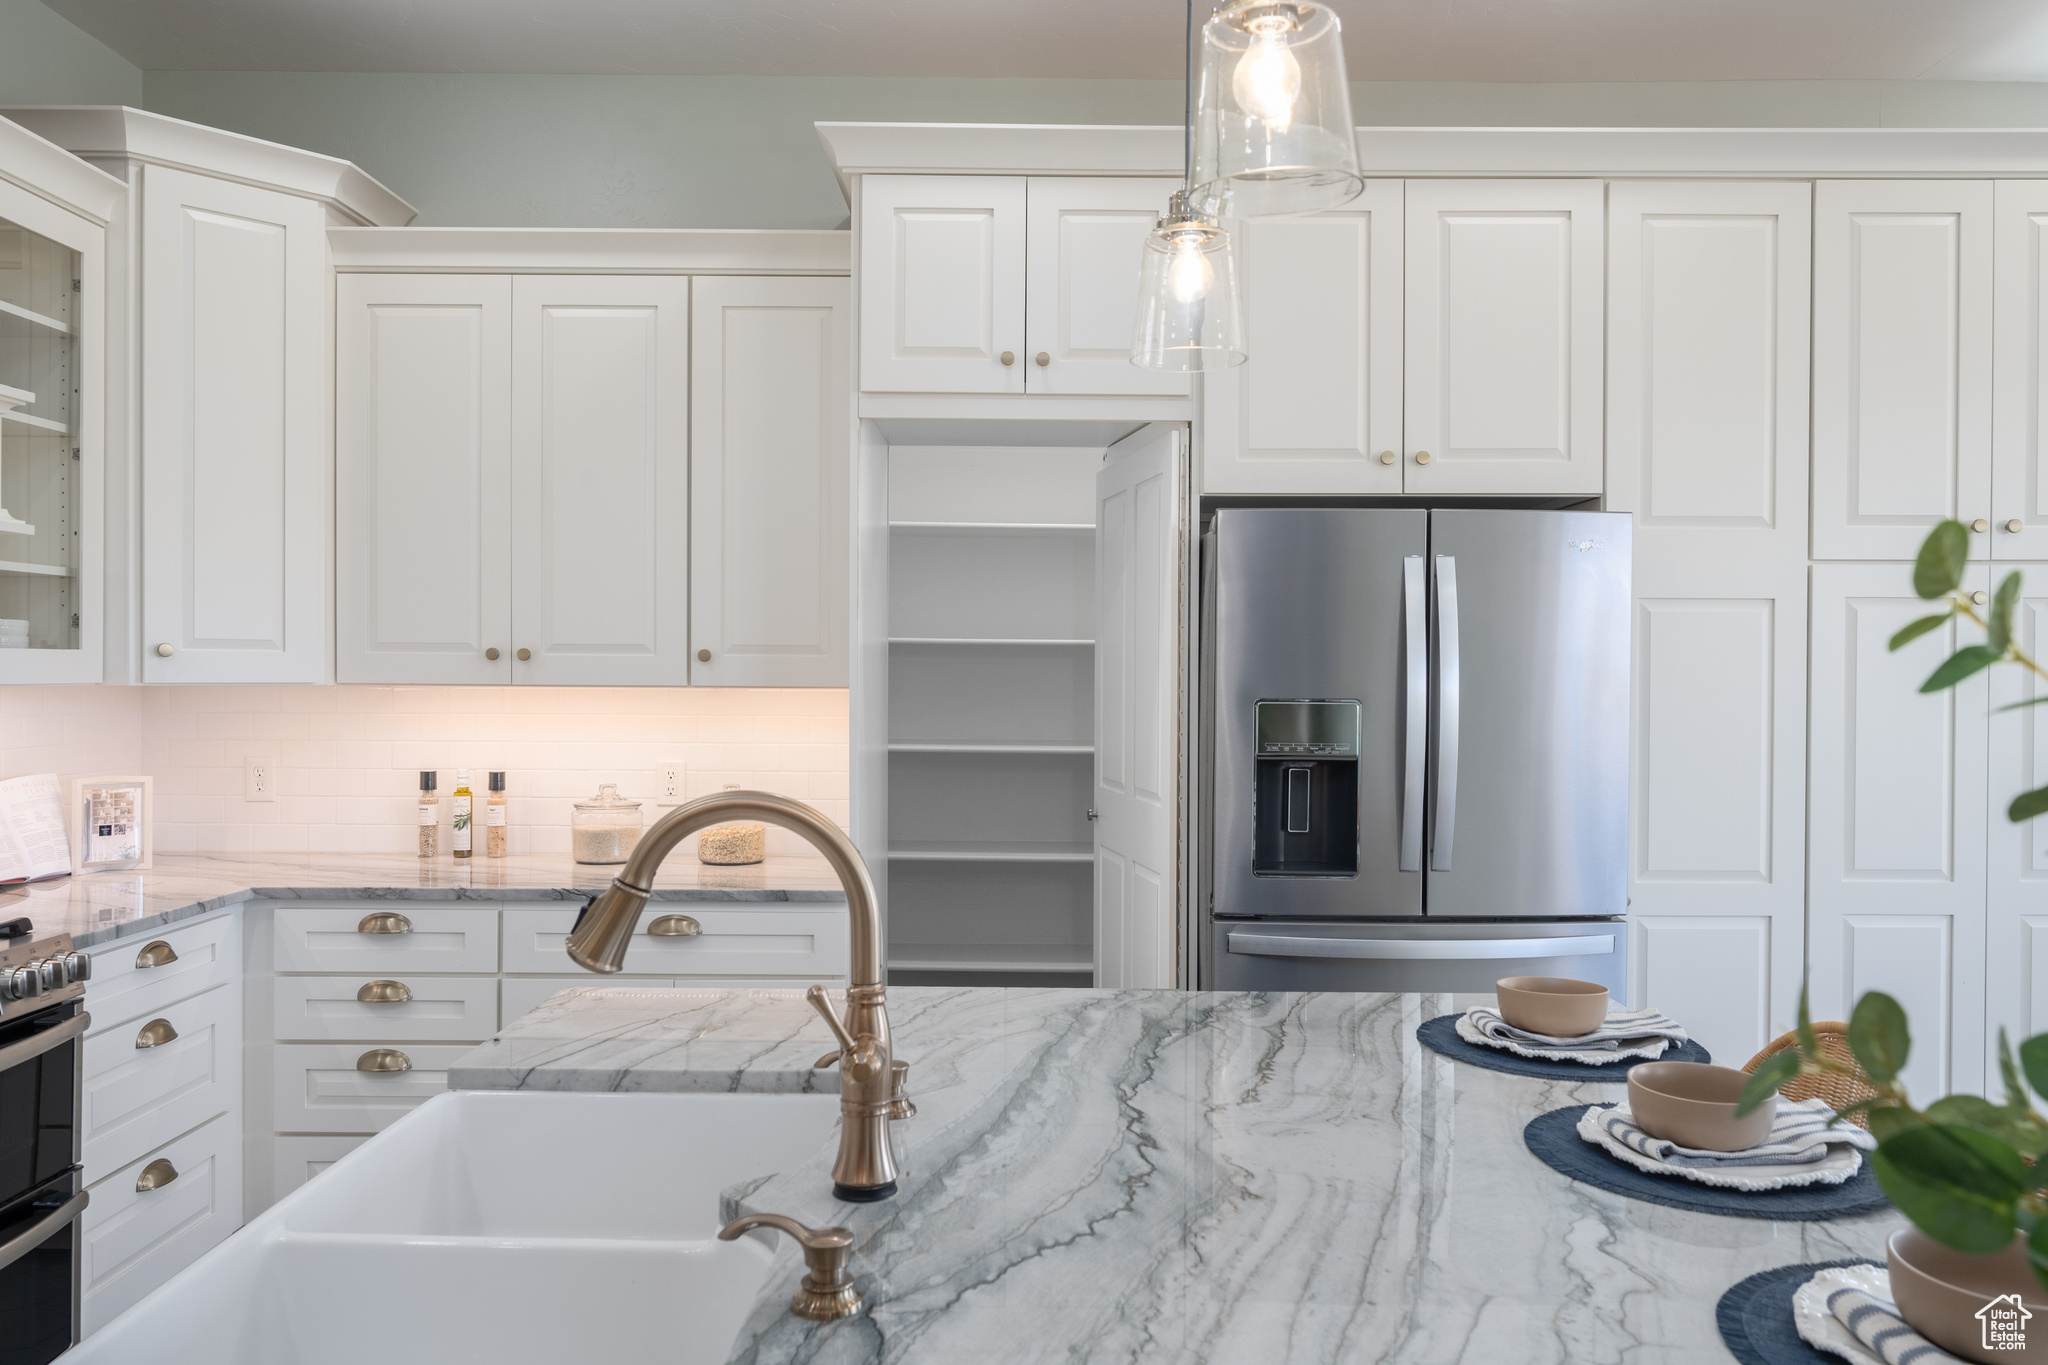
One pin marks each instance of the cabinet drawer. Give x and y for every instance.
(319, 1090)
(801, 940)
(135, 1240)
(442, 1009)
(443, 938)
(209, 954)
(139, 1098)
(295, 1160)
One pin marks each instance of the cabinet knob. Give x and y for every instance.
(155, 1176)
(2015, 526)
(1980, 526)
(1386, 457)
(383, 1059)
(703, 656)
(156, 1033)
(164, 651)
(384, 993)
(156, 953)
(523, 655)
(492, 654)
(1008, 358)
(384, 922)
(1043, 359)
(1980, 597)
(1422, 457)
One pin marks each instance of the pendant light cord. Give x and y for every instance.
(1187, 123)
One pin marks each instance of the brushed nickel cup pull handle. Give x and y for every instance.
(675, 926)
(155, 1176)
(384, 993)
(383, 1059)
(156, 1033)
(156, 954)
(384, 922)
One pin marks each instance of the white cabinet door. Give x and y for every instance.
(1897, 832)
(1901, 363)
(942, 284)
(1137, 709)
(600, 479)
(2019, 423)
(2017, 897)
(1503, 342)
(423, 479)
(1317, 407)
(769, 462)
(234, 433)
(1086, 241)
(1706, 446)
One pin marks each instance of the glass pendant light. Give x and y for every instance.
(1272, 122)
(1188, 313)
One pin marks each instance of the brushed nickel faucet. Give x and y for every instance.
(866, 1169)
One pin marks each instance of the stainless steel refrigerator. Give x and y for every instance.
(1416, 731)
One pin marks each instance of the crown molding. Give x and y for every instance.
(49, 172)
(634, 251)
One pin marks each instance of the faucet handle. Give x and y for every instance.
(861, 1062)
(827, 1290)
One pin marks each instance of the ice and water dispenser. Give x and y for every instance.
(1305, 807)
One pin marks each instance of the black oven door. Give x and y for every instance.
(40, 1066)
(39, 1246)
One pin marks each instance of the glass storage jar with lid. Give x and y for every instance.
(604, 828)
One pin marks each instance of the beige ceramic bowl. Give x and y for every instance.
(1940, 1292)
(1693, 1105)
(1553, 1005)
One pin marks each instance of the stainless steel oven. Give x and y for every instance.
(42, 1190)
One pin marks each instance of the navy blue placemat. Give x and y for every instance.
(1441, 1035)
(1554, 1138)
(1755, 1317)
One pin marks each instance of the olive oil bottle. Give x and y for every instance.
(461, 804)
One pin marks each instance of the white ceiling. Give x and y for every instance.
(1409, 40)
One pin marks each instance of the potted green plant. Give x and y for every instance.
(1966, 1171)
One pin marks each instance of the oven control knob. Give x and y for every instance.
(53, 973)
(22, 983)
(78, 966)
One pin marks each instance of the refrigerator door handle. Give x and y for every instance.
(1253, 944)
(1415, 742)
(1446, 712)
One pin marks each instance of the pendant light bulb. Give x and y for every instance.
(1189, 316)
(1189, 274)
(1267, 82)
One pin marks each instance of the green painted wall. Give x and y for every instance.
(47, 60)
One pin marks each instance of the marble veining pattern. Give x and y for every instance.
(97, 907)
(1113, 1176)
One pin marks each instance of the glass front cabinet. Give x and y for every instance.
(55, 219)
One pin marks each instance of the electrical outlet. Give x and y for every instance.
(672, 781)
(258, 779)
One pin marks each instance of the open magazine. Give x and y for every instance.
(33, 844)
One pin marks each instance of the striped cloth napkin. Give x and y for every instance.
(1624, 1034)
(1799, 1136)
(1875, 1322)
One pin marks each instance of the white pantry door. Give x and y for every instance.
(1316, 410)
(1503, 346)
(1086, 244)
(2017, 990)
(1901, 363)
(600, 479)
(1138, 575)
(769, 460)
(1897, 841)
(235, 472)
(942, 283)
(1706, 447)
(2019, 425)
(423, 479)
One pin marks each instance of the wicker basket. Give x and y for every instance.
(1838, 1090)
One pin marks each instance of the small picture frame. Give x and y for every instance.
(111, 822)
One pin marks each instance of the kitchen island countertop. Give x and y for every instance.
(1175, 1176)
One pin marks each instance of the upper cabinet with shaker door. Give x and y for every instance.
(1004, 284)
(768, 482)
(2019, 424)
(1902, 333)
(220, 380)
(1505, 282)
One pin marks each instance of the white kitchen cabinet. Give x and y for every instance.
(423, 478)
(1902, 337)
(1708, 311)
(323, 1088)
(768, 482)
(1317, 408)
(2016, 986)
(135, 1239)
(137, 1096)
(1084, 249)
(600, 479)
(942, 284)
(2019, 421)
(318, 1009)
(1897, 822)
(1503, 349)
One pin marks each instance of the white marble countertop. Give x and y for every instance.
(1113, 1176)
(96, 907)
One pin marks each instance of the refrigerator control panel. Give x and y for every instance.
(1305, 805)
